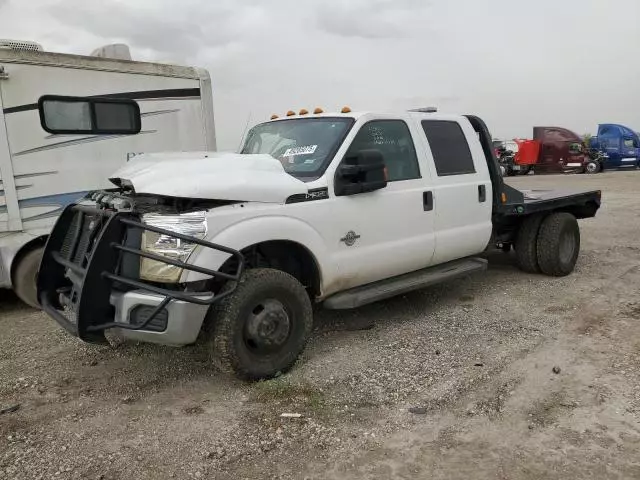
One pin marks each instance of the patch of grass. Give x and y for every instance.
(282, 390)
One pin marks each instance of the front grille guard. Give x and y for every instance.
(86, 291)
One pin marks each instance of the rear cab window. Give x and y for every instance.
(449, 147)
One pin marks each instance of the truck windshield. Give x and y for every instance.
(304, 146)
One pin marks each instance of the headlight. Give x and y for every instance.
(193, 224)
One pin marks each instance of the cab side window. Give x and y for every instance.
(449, 147)
(393, 139)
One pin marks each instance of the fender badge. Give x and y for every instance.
(350, 238)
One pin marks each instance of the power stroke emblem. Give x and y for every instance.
(350, 238)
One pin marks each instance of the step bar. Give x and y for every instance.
(384, 289)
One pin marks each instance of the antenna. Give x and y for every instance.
(246, 127)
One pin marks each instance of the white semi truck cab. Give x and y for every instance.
(338, 209)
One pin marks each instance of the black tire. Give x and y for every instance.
(526, 245)
(249, 325)
(592, 167)
(558, 244)
(24, 277)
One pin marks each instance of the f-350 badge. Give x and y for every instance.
(350, 238)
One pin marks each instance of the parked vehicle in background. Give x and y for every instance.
(620, 144)
(596, 162)
(41, 173)
(560, 150)
(339, 209)
(506, 152)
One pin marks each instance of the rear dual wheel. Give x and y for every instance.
(558, 244)
(548, 244)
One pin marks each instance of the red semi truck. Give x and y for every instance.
(552, 150)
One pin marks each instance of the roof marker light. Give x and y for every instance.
(274, 116)
(303, 112)
(318, 110)
(290, 113)
(345, 110)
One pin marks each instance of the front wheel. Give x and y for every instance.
(25, 275)
(261, 328)
(592, 167)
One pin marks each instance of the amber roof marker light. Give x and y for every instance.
(290, 113)
(345, 110)
(317, 111)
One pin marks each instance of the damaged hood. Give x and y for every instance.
(208, 175)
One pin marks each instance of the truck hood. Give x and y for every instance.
(208, 175)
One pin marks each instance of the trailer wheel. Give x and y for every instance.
(558, 244)
(263, 326)
(24, 277)
(526, 245)
(592, 167)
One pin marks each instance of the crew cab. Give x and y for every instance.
(335, 209)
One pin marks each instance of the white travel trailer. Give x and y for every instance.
(41, 173)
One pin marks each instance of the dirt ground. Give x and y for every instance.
(502, 375)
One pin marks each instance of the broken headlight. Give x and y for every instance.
(193, 224)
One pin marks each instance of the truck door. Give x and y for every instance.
(462, 190)
(629, 155)
(389, 231)
(610, 140)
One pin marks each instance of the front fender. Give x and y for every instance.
(257, 230)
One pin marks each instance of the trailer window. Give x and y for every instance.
(449, 147)
(82, 116)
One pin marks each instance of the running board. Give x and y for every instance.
(373, 292)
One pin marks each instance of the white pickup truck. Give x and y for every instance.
(339, 209)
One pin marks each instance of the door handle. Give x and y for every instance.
(482, 193)
(427, 201)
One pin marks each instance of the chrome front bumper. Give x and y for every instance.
(183, 320)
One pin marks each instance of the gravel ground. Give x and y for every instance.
(502, 375)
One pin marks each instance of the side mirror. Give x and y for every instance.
(364, 172)
(89, 115)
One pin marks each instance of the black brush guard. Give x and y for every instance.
(81, 266)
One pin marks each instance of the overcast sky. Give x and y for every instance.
(516, 63)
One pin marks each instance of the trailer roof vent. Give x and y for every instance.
(118, 51)
(21, 45)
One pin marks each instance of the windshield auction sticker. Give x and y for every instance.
(308, 150)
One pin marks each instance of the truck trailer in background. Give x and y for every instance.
(41, 173)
